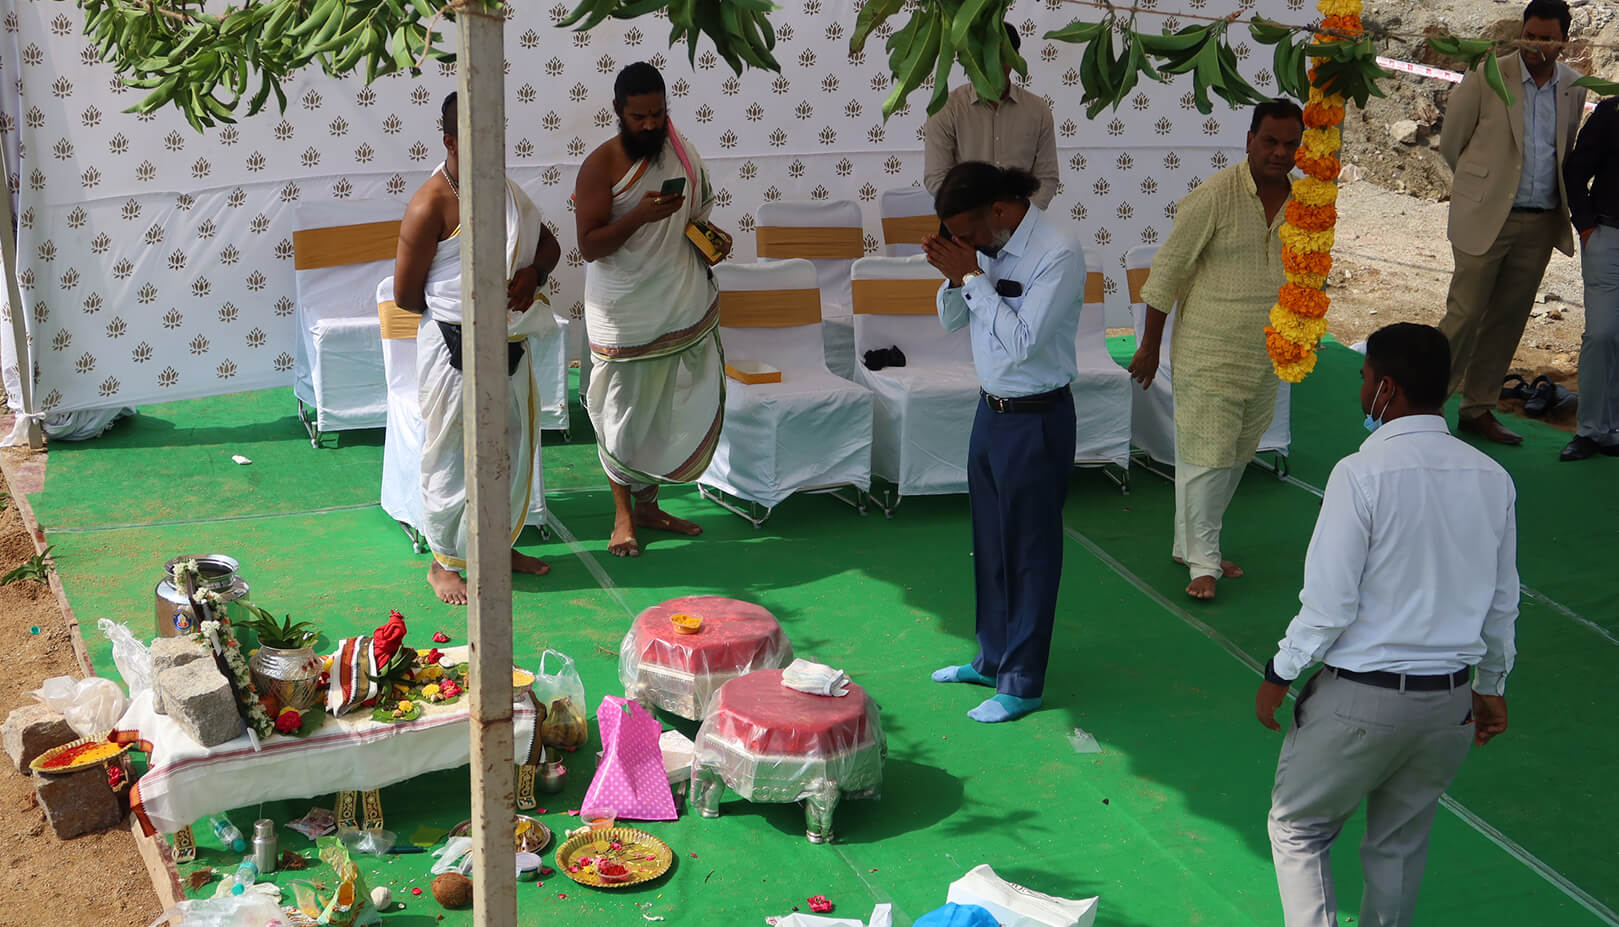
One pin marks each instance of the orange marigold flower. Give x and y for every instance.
(1281, 350)
(1320, 168)
(1304, 301)
(1322, 116)
(1311, 218)
(1342, 24)
(1318, 263)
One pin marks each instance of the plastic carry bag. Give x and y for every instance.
(133, 658)
(1016, 906)
(561, 693)
(91, 706)
(630, 778)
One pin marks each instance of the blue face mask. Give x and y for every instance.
(1374, 421)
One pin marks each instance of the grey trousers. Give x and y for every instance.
(1489, 302)
(1599, 349)
(1351, 741)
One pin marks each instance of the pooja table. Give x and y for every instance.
(185, 782)
(769, 743)
(679, 672)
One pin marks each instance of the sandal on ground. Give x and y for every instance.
(1547, 396)
(1514, 387)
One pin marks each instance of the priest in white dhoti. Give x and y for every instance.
(427, 279)
(657, 392)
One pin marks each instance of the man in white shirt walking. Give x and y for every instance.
(1410, 586)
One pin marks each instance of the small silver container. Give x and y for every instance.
(266, 847)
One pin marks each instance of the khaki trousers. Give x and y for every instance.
(1489, 302)
(1352, 742)
(1202, 494)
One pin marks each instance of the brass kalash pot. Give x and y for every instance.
(217, 573)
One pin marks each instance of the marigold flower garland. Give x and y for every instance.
(1298, 320)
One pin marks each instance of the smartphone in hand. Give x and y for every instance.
(672, 188)
(944, 232)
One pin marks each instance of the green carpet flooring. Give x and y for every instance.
(1166, 824)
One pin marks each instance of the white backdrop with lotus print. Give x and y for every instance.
(156, 263)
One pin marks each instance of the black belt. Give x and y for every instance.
(1536, 209)
(1406, 682)
(452, 343)
(1611, 222)
(1039, 402)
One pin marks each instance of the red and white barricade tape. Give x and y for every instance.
(1423, 70)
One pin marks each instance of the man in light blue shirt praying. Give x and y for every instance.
(1016, 280)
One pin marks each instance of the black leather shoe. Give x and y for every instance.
(1580, 448)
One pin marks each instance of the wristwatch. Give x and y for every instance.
(966, 278)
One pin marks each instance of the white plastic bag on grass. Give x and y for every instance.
(91, 706)
(1015, 906)
(249, 909)
(133, 658)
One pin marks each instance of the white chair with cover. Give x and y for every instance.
(809, 432)
(1102, 388)
(1153, 413)
(830, 235)
(908, 217)
(924, 410)
(402, 444)
(340, 249)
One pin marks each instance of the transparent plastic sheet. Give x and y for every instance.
(132, 657)
(680, 673)
(769, 743)
(249, 909)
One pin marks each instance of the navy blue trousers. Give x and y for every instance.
(1018, 464)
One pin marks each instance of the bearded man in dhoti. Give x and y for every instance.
(427, 280)
(657, 395)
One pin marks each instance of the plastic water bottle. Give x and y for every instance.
(227, 833)
(246, 875)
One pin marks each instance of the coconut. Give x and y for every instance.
(453, 890)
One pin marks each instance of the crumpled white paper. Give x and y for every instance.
(881, 916)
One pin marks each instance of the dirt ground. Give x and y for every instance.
(97, 879)
(1392, 263)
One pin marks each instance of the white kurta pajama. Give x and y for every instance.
(444, 477)
(657, 393)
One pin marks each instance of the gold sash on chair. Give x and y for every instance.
(1138, 279)
(340, 245)
(908, 230)
(830, 242)
(896, 297)
(769, 308)
(1095, 287)
(397, 322)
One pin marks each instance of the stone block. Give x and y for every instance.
(200, 700)
(78, 803)
(31, 730)
(168, 653)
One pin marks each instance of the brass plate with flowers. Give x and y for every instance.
(614, 858)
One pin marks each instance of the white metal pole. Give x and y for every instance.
(19, 324)
(482, 136)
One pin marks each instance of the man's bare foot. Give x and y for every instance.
(648, 515)
(523, 563)
(623, 542)
(1201, 588)
(1229, 569)
(448, 585)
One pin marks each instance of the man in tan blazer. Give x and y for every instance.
(1508, 206)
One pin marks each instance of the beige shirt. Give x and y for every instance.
(1017, 133)
(1220, 271)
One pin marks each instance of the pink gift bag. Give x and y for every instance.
(630, 779)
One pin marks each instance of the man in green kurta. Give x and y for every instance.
(1221, 268)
